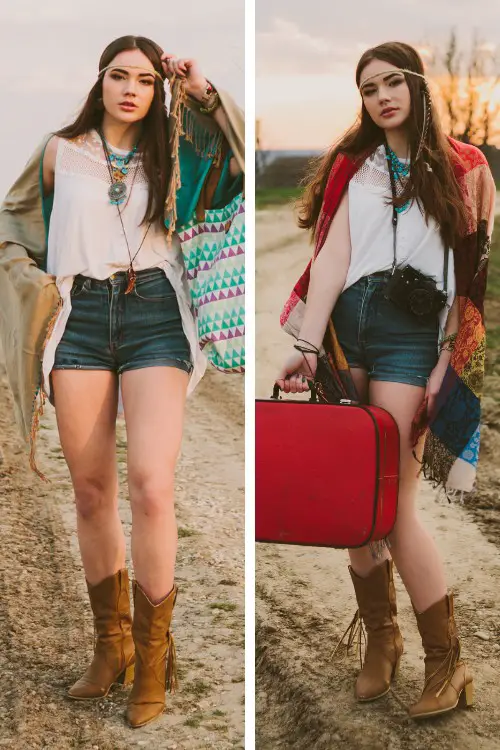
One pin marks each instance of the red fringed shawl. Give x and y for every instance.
(452, 434)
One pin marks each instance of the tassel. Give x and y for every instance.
(177, 108)
(38, 408)
(35, 426)
(206, 144)
(355, 633)
(377, 548)
(452, 657)
(172, 682)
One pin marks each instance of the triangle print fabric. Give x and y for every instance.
(214, 257)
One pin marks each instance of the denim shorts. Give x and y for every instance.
(378, 337)
(110, 330)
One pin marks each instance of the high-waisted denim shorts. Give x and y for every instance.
(378, 337)
(110, 330)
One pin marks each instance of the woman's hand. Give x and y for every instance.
(298, 369)
(186, 68)
(434, 385)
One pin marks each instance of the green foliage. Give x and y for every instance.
(266, 197)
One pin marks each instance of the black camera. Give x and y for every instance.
(415, 293)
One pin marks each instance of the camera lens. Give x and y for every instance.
(420, 301)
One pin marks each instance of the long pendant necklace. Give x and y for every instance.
(131, 274)
(118, 167)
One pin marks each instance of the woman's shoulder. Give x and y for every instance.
(51, 145)
(471, 155)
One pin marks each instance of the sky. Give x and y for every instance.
(49, 53)
(306, 55)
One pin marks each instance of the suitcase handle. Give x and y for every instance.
(313, 400)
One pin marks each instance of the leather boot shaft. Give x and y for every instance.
(113, 660)
(155, 668)
(448, 681)
(377, 607)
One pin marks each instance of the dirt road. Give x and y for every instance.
(305, 599)
(46, 632)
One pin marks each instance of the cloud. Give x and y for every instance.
(286, 48)
(408, 20)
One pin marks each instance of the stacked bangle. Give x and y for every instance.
(448, 343)
(212, 105)
(210, 100)
(308, 349)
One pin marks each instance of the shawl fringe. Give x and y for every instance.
(199, 131)
(177, 106)
(40, 398)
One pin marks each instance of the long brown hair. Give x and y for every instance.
(154, 141)
(437, 191)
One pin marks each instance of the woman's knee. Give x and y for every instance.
(94, 496)
(150, 496)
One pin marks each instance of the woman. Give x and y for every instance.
(396, 195)
(103, 304)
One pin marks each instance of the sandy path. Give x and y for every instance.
(305, 598)
(45, 620)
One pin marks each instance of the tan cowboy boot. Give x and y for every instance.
(114, 647)
(448, 681)
(155, 667)
(377, 609)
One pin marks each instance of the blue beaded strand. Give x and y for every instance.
(399, 169)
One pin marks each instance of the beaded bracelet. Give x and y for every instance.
(211, 107)
(210, 99)
(450, 340)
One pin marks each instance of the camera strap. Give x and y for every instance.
(395, 228)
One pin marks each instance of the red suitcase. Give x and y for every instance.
(326, 474)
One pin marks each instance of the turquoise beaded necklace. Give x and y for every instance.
(118, 170)
(399, 170)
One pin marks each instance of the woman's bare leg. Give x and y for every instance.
(86, 408)
(362, 561)
(411, 546)
(154, 401)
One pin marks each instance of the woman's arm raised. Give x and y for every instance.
(196, 86)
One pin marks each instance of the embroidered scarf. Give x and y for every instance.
(452, 432)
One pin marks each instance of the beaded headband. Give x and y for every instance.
(392, 70)
(135, 67)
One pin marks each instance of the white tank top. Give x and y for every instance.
(370, 224)
(86, 237)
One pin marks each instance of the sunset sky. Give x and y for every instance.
(49, 53)
(307, 54)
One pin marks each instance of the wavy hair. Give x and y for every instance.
(437, 191)
(154, 141)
